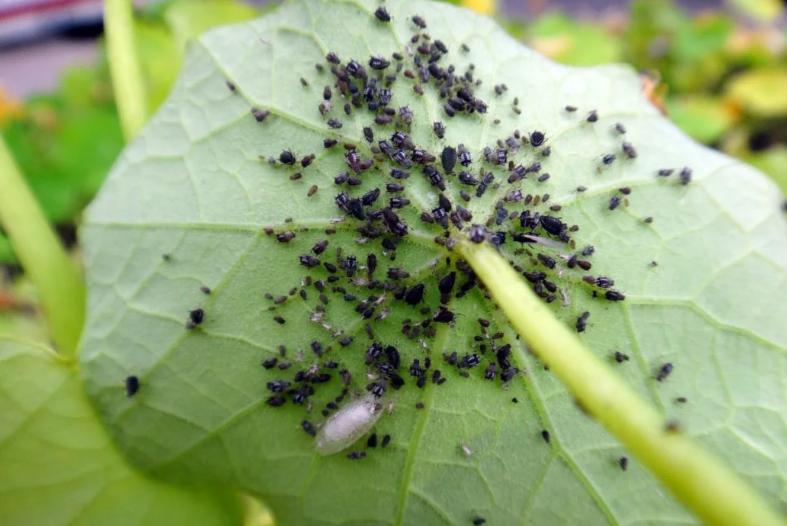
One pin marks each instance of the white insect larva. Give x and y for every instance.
(347, 425)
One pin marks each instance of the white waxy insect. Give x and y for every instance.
(348, 424)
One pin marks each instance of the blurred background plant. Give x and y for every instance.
(719, 70)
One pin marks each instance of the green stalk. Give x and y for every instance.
(124, 66)
(698, 479)
(55, 276)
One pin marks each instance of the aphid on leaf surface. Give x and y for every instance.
(132, 385)
(629, 150)
(286, 157)
(592, 116)
(620, 357)
(613, 295)
(546, 436)
(664, 371)
(204, 289)
(439, 129)
(356, 455)
(196, 317)
(479, 521)
(570, 109)
(582, 321)
(259, 115)
(448, 159)
(537, 138)
(608, 158)
(372, 440)
(348, 424)
(685, 175)
(619, 128)
(614, 202)
(623, 462)
(382, 14)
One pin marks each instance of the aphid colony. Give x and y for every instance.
(366, 275)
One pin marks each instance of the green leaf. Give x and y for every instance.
(572, 42)
(59, 466)
(705, 118)
(193, 188)
(761, 92)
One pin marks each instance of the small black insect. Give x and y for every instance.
(685, 175)
(664, 371)
(372, 440)
(629, 150)
(620, 357)
(132, 385)
(608, 158)
(286, 157)
(623, 462)
(582, 321)
(477, 233)
(382, 14)
(570, 109)
(448, 159)
(479, 521)
(285, 237)
(270, 363)
(613, 295)
(419, 21)
(439, 129)
(196, 317)
(592, 116)
(378, 63)
(546, 436)
(537, 138)
(259, 115)
(309, 428)
(356, 455)
(614, 202)
(414, 294)
(619, 128)
(386, 440)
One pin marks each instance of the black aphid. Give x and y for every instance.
(414, 294)
(205, 290)
(378, 63)
(368, 134)
(619, 128)
(614, 202)
(685, 175)
(259, 115)
(613, 295)
(386, 440)
(664, 371)
(446, 283)
(335, 123)
(479, 521)
(477, 233)
(623, 462)
(439, 129)
(356, 455)
(309, 428)
(270, 363)
(285, 237)
(620, 357)
(545, 435)
(372, 440)
(448, 159)
(286, 157)
(592, 116)
(570, 109)
(382, 14)
(608, 158)
(419, 21)
(537, 138)
(196, 316)
(132, 385)
(582, 321)
(629, 150)
(665, 172)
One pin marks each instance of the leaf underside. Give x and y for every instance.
(193, 187)
(59, 465)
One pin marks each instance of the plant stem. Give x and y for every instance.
(124, 66)
(698, 479)
(55, 276)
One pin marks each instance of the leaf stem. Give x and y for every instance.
(124, 66)
(55, 276)
(698, 479)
